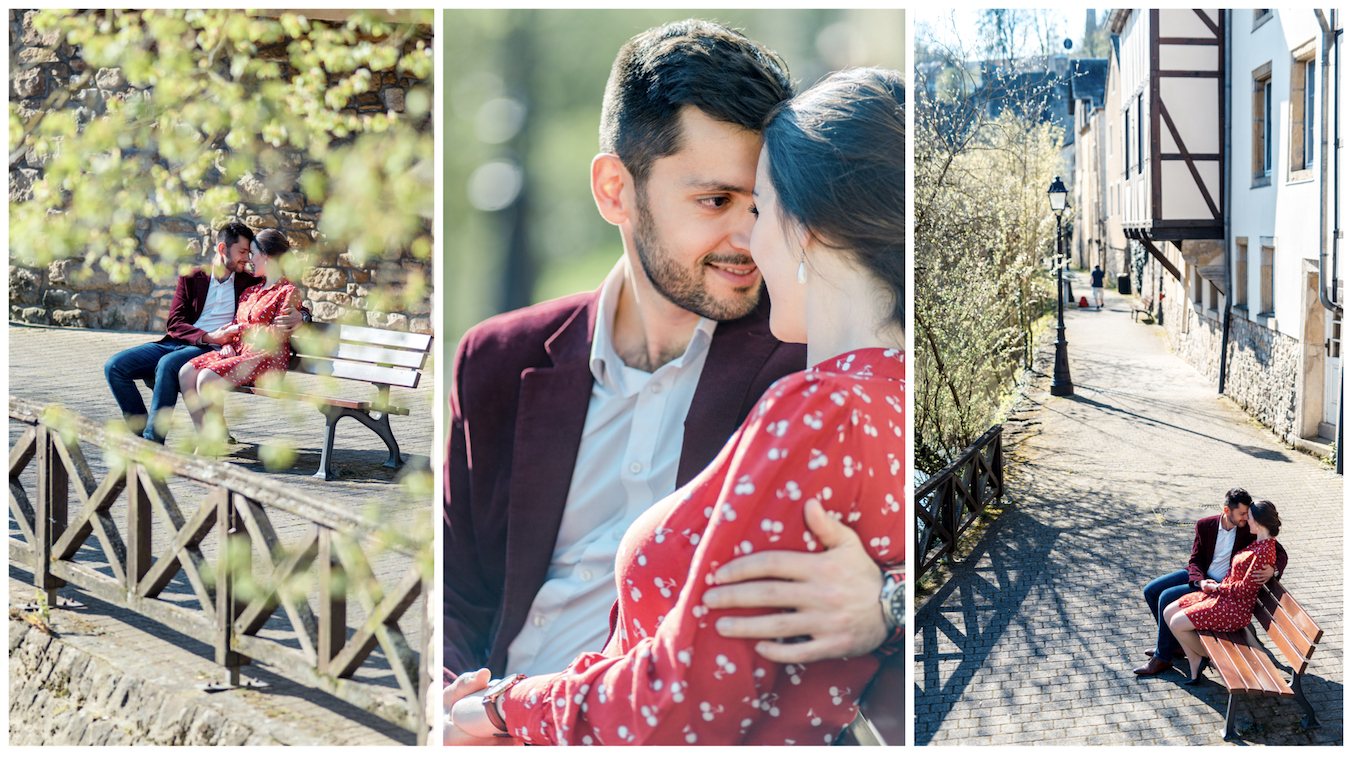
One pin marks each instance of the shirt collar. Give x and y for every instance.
(605, 363)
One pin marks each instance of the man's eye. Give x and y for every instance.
(716, 202)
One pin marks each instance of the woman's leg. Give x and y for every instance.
(211, 389)
(188, 376)
(1187, 636)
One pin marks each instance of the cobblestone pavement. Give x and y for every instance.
(1034, 637)
(54, 365)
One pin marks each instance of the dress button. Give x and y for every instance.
(635, 467)
(586, 575)
(539, 620)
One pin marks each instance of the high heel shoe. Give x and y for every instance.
(1201, 674)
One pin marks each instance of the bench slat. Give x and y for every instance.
(338, 402)
(385, 337)
(1302, 621)
(1294, 649)
(1234, 672)
(1269, 677)
(399, 377)
(369, 354)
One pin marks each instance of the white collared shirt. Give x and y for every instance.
(219, 309)
(1220, 559)
(626, 462)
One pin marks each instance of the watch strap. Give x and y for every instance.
(490, 700)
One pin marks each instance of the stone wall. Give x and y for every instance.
(336, 288)
(60, 695)
(1261, 364)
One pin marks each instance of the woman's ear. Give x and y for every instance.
(610, 181)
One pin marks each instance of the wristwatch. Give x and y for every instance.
(490, 702)
(893, 599)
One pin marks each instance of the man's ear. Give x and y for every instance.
(612, 186)
(220, 249)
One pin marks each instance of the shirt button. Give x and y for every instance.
(586, 575)
(657, 389)
(539, 620)
(635, 467)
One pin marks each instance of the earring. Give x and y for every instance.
(802, 268)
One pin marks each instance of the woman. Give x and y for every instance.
(257, 349)
(830, 437)
(1226, 606)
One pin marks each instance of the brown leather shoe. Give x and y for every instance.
(1155, 666)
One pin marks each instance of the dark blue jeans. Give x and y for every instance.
(157, 365)
(1158, 595)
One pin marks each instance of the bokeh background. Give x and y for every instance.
(523, 91)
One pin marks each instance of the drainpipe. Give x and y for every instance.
(1225, 200)
(1330, 34)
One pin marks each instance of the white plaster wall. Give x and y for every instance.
(1284, 210)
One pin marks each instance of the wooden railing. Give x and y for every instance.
(239, 580)
(948, 503)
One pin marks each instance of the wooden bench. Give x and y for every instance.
(1239, 657)
(382, 357)
(1146, 308)
(881, 719)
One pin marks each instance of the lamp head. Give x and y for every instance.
(1057, 194)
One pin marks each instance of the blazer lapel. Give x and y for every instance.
(738, 351)
(551, 414)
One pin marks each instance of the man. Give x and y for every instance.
(1217, 539)
(1096, 281)
(572, 417)
(203, 305)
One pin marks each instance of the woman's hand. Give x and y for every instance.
(467, 722)
(1209, 586)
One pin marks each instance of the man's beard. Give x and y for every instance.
(682, 286)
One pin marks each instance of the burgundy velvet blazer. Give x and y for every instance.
(520, 386)
(1204, 545)
(190, 298)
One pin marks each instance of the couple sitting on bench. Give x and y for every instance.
(228, 326)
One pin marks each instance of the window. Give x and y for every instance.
(1198, 284)
(1262, 125)
(1261, 16)
(1240, 278)
(1265, 286)
(1126, 142)
(1304, 82)
(1140, 133)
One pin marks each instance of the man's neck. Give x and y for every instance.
(649, 331)
(1226, 523)
(220, 272)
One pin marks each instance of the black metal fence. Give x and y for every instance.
(948, 503)
(243, 592)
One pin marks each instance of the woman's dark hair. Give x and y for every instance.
(272, 242)
(1265, 513)
(838, 163)
(692, 62)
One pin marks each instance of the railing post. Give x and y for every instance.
(53, 493)
(950, 513)
(332, 602)
(227, 605)
(139, 528)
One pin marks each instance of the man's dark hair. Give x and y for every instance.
(1237, 497)
(233, 232)
(692, 62)
(837, 160)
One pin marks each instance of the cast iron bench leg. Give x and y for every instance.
(1229, 733)
(376, 421)
(1310, 721)
(331, 416)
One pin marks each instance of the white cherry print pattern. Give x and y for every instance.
(672, 679)
(258, 307)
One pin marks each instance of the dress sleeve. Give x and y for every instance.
(280, 340)
(686, 684)
(1240, 579)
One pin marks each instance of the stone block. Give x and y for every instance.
(56, 298)
(252, 189)
(420, 308)
(110, 79)
(325, 278)
(420, 325)
(290, 201)
(87, 301)
(381, 320)
(32, 37)
(174, 225)
(261, 222)
(29, 83)
(299, 240)
(340, 298)
(21, 184)
(394, 99)
(35, 55)
(24, 285)
(328, 312)
(75, 318)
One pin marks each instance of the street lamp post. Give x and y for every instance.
(1062, 386)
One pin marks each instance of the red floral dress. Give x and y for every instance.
(257, 308)
(1230, 607)
(834, 434)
